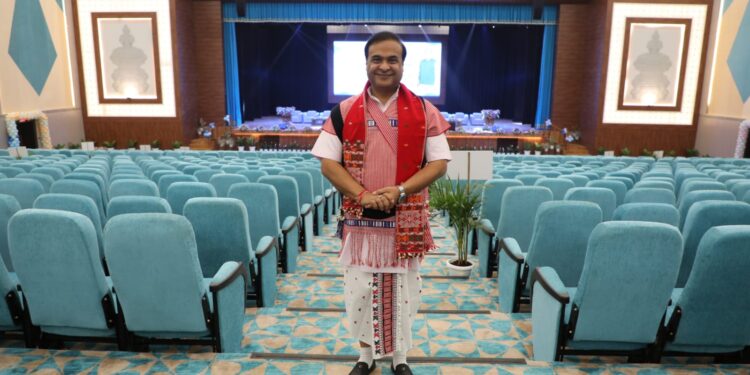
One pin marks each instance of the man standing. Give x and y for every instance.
(381, 149)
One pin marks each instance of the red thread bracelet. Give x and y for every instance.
(359, 196)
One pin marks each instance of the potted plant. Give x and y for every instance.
(241, 144)
(672, 153)
(132, 144)
(624, 151)
(646, 152)
(692, 152)
(538, 148)
(250, 143)
(176, 145)
(59, 146)
(155, 144)
(600, 150)
(109, 145)
(527, 146)
(460, 201)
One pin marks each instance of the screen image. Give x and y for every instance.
(423, 68)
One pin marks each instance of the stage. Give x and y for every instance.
(273, 132)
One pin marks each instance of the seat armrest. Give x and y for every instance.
(510, 246)
(228, 272)
(550, 281)
(305, 209)
(289, 224)
(486, 226)
(264, 246)
(318, 199)
(328, 192)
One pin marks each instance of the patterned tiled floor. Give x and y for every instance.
(282, 329)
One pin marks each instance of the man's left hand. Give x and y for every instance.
(391, 193)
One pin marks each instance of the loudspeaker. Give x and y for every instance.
(241, 8)
(537, 6)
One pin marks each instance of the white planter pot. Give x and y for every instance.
(240, 148)
(458, 271)
(251, 148)
(527, 152)
(537, 152)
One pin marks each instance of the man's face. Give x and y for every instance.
(384, 65)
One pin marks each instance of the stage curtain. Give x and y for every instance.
(391, 13)
(546, 74)
(231, 75)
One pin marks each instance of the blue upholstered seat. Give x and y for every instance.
(81, 187)
(618, 187)
(25, 191)
(529, 179)
(650, 195)
(205, 175)
(561, 232)
(222, 234)
(603, 197)
(124, 187)
(53, 172)
(153, 261)
(222, 182)
(619, 302)
(80, 204)
(167, 180)
(709, 316)
(306, 202)
(289, 217)
(653, 212)
(67, 294)
(180, 192)
(690, 198)
(8, 207)
(131, 204)
(489, 215)
(43, 179)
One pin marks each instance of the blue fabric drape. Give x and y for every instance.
(231, 73)
(391, 13)
(546, 74)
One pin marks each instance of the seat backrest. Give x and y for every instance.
(80, 204)
(221, 232)
(155, 175)
(191, 169)
(100, 181)
(625, 180)
(262, 204)
(492, 198)
(253, 175)
(233, 168)
(304, 185)
(529, 179)
(143, 187)
(653, 212)
(132, 204)
(578, 179)
(222, 182)
(695, 185)
(8, 207)
(180, 192)
(272, 170)
(626, 282)
(558, 186)
(165, 181)
(55, 173)
(11, 171)
(650, 183)
(57, 261)
(650, 195)
(288, 194)
(618, 187)
(520, 204)
(80, 187)
(701, 217)
(317, 180)
(561, 234)
(741, 188)
(603, 197)
(43, 179)
(715, 301)
(25, 191)
(690, 198)
(204, 175)
(153, 262)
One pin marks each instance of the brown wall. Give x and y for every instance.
(199, 81)
(580, 75)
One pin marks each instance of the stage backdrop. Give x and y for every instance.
(286, 65)
(730, 92)
(34, 65)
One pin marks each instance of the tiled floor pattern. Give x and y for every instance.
(485, 334)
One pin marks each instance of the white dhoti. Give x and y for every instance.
(381, 308)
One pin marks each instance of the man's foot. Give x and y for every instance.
(402, 369)
(362, 368)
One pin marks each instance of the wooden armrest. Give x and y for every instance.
(264, 246)
(228, 272)
(550, 281)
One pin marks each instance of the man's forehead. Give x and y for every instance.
(386, 48)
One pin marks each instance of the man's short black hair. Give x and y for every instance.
(383, 36)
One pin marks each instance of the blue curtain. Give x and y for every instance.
(391, 13)
(546, 75)
(231, 73)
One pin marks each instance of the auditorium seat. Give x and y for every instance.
(167, 180)
(289, 217)
(618, 187)
(204, 175)
(740, 188)
(81, 187)
(625, 180)
(180, 192)
(650, 183)
(253, 175)
(67, 294)
(558, 186)
(603, 197)
(560, 235)
(695, 185)
(619, 302)
(8, 207)
(306, 202)
(701, 217)
(158, 174)
(125, 187)
(53, 172)
(101, 183)
(43, 179)
(25, 191)
(11, 172)
(176, 302)
(650, 195)
(262, 204)
(222, 182)
(701, 195)
(645, 211)
(709, 316)
(519, 208)
(578, 179)
(233, 168)
(137, 204)
(489, 215)
(80, 204)
(529, 179)
(222, 234)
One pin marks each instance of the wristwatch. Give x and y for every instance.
(402, 192)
